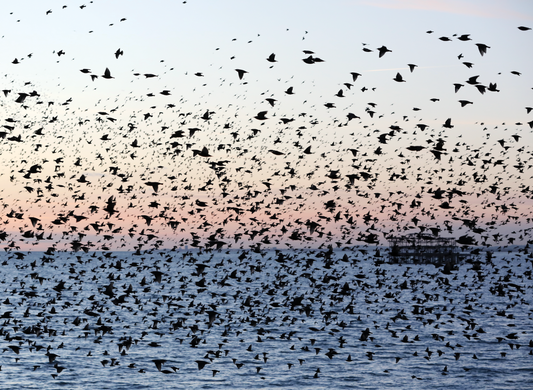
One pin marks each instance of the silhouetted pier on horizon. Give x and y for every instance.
(423, 249)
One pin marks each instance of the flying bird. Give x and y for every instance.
(382, 50)
(241, 73)
(355, 75)
(448, 124)
(154, 185)
(482, 48)
(398, 78)
(107, 74)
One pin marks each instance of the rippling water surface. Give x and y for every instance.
(289, 319)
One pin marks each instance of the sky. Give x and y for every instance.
(77, 148)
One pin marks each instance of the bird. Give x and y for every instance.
(241, 73)
(493, 87)
(448, 123)
(158, 276)
(154, 185)
(311, 60)
(415, 148)
(398, 78)
(382, 50)
(202, 153)
(59, 368)
(261, 116)
(481, 88)
(21, 98)
(201, 364)
(355, 75)
(271, 58)
(159, 363)
(212, 317)
(482, 48)
(107, 74)
(464, 37)
(473, 80)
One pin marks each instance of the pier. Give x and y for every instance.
(423, 249)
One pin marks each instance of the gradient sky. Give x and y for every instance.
(193, 48)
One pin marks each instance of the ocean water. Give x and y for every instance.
(271, 320)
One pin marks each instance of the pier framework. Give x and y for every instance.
(423, 249)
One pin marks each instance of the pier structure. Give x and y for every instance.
(419, 248)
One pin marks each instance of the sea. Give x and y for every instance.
(264, 319)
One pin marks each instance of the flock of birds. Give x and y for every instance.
(202, 194)
(259, 177)
(206, 317)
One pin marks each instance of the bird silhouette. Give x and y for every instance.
(383, 50)
(241, 73)
(271, 58)
(482, 48)
(107, 74)
(398, 78)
